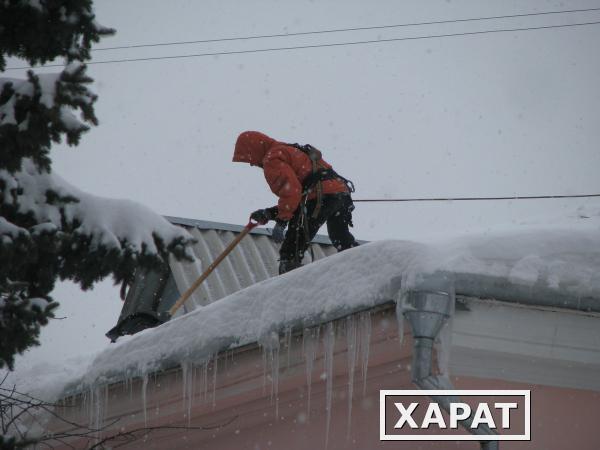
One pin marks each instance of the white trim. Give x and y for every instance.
(529, 345)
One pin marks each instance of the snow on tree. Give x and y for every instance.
(50, 230)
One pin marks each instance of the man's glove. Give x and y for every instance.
(262, 216)
(278, 233)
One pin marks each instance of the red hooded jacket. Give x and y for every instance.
(285, 168)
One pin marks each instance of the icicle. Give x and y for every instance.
(104, 405)
(130, 388)
(144, 388)
(400, 317)
(97, 406)
(288, 345)
(195, 370)
(351, 349)
(364, 343)
(94, 407)
(87, 407)
(215, 365)
(191, 393)
(264, 363)
(443, 342)
(184, 383)
(90, 406)
(187, 372)
(310, 340)
(275, 377)
(270, 344)
(270, 364)
(205, 380)
(328, 343)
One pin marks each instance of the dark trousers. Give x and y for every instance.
(336, 210)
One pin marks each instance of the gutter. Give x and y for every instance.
(536, 294)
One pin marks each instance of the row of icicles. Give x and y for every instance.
(203, 376)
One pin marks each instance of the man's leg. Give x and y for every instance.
(294, 245)
(338, 223)
(336, 210)
(300, 232)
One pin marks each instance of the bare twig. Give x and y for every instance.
(15, 406)
(131, 435)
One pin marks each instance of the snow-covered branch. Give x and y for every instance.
(37, 111)
(118, 224)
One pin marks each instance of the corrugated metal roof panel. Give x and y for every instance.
(254, 259)
(209, 225)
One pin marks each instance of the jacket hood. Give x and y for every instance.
(251, 147)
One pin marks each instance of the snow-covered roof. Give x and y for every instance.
(254, 259)
(562, 262)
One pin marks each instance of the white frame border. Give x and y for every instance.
(526, 393)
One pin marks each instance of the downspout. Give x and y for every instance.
(427, 308)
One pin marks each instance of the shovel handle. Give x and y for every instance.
(212, 267)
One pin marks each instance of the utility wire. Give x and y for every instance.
(340, 30)
(339, 44)
(447, 199)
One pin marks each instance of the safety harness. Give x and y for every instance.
(314, 183)
(319, 174)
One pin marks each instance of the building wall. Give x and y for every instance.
(253, 407)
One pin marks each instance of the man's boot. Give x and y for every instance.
(285, 265)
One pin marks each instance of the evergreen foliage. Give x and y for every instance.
(41, 30)
(50, 230)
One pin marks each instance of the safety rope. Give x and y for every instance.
(447, 199)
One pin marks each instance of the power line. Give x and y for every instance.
(447, 199)
(340, 44)
(340, 30)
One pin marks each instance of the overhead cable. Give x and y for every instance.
(340, 30)
(339, 44)
(447, 199)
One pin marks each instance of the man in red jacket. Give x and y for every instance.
(310, 193)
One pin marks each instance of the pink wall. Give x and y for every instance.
(243, 415)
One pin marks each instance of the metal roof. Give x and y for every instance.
(254, 259)
(209, 225)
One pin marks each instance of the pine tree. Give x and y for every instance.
(50, 230)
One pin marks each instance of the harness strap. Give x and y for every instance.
(319, 189)
(318, 175)
(302, 226)
(323, 175)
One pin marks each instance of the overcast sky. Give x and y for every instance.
(496, 114)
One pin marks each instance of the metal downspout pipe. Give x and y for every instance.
(427, 309)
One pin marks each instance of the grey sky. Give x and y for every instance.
(485, 115)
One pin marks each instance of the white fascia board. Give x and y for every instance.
(527, 344)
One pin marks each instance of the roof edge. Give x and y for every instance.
(222, 226)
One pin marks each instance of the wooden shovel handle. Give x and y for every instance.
(212, 267)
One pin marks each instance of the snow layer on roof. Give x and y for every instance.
(562, 258)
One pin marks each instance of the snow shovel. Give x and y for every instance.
(141, 320)
(212, 267)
